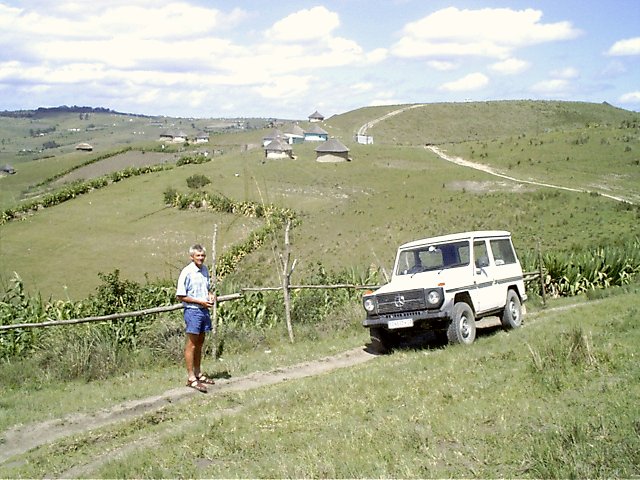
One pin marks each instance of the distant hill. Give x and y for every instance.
(439, 123)
(43, 112)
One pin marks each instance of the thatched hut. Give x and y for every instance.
(278, 148)
(333, 150)
(85, 147)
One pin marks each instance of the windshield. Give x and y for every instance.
(433, 257)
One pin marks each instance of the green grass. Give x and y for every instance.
(110, 229)
(555, 399)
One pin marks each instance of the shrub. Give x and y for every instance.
(197, 181)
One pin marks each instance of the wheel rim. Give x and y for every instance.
(515, 312)
(465, 330)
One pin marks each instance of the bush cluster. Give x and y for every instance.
(580, 271)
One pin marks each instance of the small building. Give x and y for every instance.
(332, 150)
(278, 148)
(274, 134)
(7, 170)
(294, 135)
(364, 139)
(202, 137)
(85, 147)
(180, 137)
(316, 134)
(173, 137)
(316, 117)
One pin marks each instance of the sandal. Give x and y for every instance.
(202, 378)
(197, 385)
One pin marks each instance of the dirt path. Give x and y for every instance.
(363, 129)
(23, 438)
(485, 168)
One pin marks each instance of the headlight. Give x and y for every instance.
(369, 304)
(434, 297)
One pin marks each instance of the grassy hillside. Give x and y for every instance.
(352, 214)
(486, 121)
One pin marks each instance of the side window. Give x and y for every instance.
(406, 261)
(503, 251)
(480, 256)
(463, 253)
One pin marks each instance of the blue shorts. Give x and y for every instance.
(197, 320)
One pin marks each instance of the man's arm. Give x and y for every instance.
(208, 303)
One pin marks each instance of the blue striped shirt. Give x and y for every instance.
(193, 282)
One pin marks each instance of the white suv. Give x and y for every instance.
(447, 283)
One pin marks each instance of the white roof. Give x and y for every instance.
(457, 236)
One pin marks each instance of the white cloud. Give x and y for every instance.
(381, 101)
(486, 32)
(471, 82)
(442, 66)
(362, 87)
(304, 25)
(631, 97)
(566, 73)
(376, 56)
(510, 66)
(135, 22)
(289, 86)
(552, 87)
(146, 51)
(629, 46)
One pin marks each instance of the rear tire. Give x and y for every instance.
(512, 314)
(462, 328)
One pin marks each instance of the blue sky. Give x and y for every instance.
(286, 59)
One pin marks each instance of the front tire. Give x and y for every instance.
(462, 328)
(512, 314)
(382, 340)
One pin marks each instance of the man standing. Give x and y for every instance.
(193, 292)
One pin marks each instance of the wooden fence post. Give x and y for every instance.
(286, 279)
(541, 270)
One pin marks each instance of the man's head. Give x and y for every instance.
(197, 254)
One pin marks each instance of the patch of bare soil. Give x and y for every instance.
(489, 187)
(118, 162)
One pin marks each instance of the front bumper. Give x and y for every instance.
(418, 316)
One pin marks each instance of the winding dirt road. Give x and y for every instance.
(485, 168)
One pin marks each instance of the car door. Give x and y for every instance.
(486, 292)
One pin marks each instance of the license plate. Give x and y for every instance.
(402, 323)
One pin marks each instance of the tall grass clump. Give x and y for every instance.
(16, 306)
(580, 271)
(89, 351)
(553, 365)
